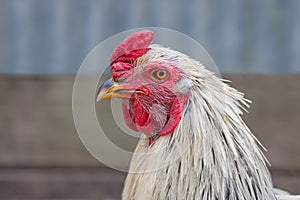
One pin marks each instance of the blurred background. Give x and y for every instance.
(255, 43)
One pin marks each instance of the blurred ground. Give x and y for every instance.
(41, 156)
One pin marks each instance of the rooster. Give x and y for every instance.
(197, 146)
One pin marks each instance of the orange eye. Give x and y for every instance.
(160, 74)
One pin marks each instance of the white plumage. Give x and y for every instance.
(211, 154)
(197, 147)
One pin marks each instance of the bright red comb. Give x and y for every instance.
(128, 51)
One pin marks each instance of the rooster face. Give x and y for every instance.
(151, 84)
(153, 94)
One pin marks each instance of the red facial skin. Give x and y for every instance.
(158, 112)
(138, 111)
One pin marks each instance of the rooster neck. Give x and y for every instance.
(210, 155)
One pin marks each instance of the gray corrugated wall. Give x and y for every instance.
(54, 36)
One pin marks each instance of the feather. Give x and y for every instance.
(211, 154)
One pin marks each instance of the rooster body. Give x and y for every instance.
(198, 146)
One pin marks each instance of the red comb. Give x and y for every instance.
(128, 51)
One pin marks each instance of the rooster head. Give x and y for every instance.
(153, 87)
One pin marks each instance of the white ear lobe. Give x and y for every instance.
(182, 86)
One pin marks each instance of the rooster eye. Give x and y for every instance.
(160, 75)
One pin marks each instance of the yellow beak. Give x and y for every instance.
(110, 89)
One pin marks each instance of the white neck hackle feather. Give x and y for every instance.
(210, 155)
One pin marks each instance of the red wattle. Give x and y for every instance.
(137, 118)
(174, 117)
(127, 117)
(141, 116)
